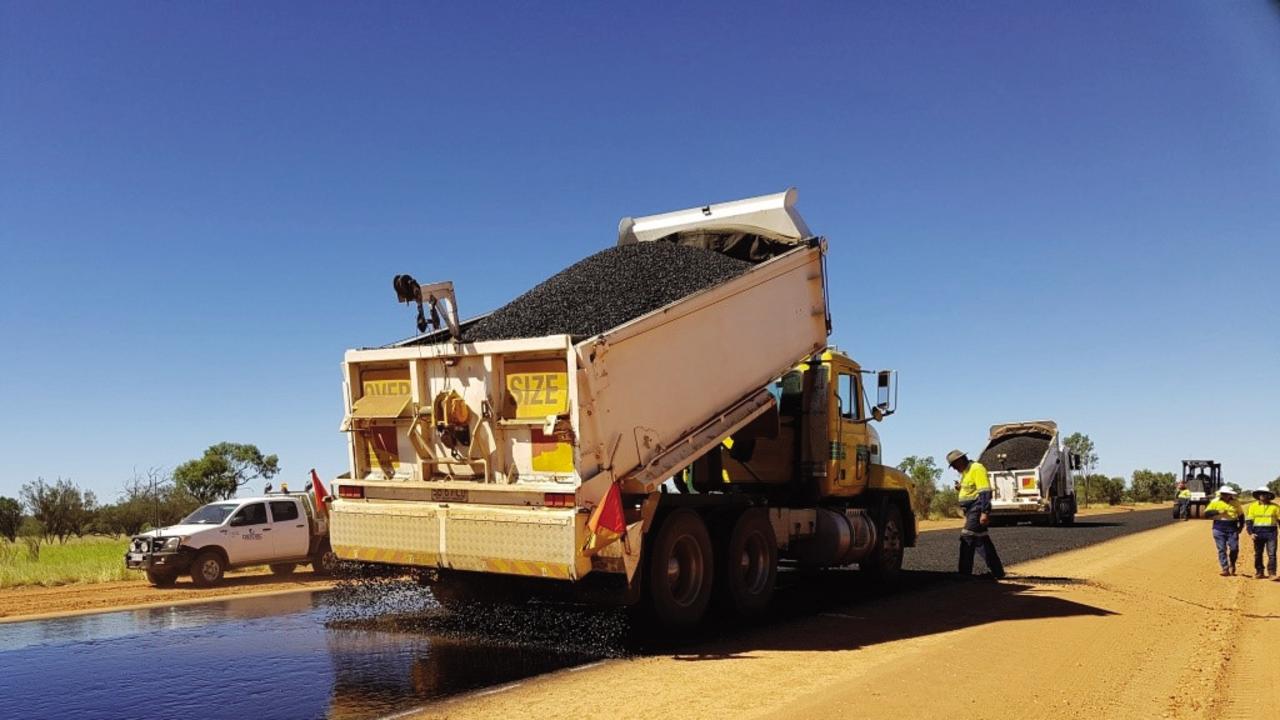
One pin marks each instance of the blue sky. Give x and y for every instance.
(1063, 210)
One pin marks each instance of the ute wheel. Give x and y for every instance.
(748, 565)
(283, 569)
(206, 570)
(679, 570)
(162, 578)
(884, 564)
(325, 561)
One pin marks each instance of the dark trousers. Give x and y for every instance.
(1264, 541)
(983, 544)
(1181, 509)
(1228, 542)
(974, 537)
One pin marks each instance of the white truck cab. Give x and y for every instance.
(282, 530)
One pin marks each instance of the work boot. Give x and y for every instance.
(1233, 568)
(1225, 573)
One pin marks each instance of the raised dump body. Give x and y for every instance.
(1032, 474)
(545, 457)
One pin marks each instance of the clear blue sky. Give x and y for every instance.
(1063, 210)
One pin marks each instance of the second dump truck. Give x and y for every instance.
(672, 461)
(1033, 475)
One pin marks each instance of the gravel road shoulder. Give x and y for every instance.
(1138, 627)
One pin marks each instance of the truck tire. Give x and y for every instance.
(162, 578)
(680, 570)
(884, 564)
(283, 569)
(748, 565)
(207, 569)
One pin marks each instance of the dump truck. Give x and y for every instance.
(672, 462)
(1203, 479)
(1033, 476)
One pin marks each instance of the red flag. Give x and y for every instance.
(322, 495)
(607, 522)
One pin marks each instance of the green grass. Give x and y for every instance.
(85, 560)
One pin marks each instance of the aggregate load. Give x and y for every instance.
(606, 290)
(1022, 452)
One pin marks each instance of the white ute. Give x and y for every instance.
(282, 530)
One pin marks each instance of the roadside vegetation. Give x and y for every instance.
(55, 533)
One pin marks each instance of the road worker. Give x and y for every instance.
(1182, 502)
(1228, 518)
(1262, 519)
(975, 498)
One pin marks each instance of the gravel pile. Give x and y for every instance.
(606, 290)
(1022, 452)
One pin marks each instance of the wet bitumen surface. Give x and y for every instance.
(295, 656)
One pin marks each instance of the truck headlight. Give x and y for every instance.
(172, 543)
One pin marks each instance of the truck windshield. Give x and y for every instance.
(210, 514)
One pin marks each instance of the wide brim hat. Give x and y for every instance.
(1262, 491)
(954, 456)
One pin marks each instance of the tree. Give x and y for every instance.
(62, 509)
(222, 469)
(1081, 445)
(1105, 489)
(10, 518)
(1274, 485)
(147, 500)
(1151, 486)
(924, 474)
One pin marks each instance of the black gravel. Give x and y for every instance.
(606, 290)
(1021, 452)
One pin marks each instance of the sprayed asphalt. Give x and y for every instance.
(310, 655)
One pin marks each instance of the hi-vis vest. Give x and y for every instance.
(973, 482)
(1263, 516)
(1184, 494)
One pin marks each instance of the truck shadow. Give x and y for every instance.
(841, 612)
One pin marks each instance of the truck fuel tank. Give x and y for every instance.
(839, 538)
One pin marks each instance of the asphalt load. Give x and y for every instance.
(606, 290)
(1022, 452)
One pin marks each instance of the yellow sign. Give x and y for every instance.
(538, 389)
(381, 447)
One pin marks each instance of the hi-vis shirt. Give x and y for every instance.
(1224, 512)
(1184, 494)
(974, 481)
(1261, 516)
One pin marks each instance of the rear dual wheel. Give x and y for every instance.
(749, 565)
(680, 570)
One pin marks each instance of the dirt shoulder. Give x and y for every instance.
(1137, 627)
(952, 523)
(35, 602)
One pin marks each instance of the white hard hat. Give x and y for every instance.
(1228, 490)
(1264, 490)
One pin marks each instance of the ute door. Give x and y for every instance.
(289, 532)
(249, 535)
(852, 450)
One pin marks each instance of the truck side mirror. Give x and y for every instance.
(886, 395)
